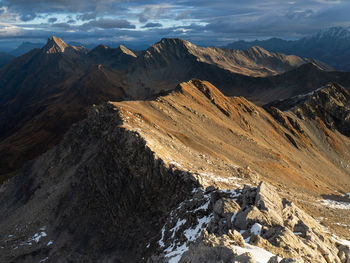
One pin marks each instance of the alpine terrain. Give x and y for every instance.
(177, 153)
(189, 175)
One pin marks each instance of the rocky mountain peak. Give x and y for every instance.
(55, 45)
(126, 51)
(169, 44)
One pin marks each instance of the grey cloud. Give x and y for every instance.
(152, 12)
(214, 22)
(52, 20)
(149, 25)
(183, 15)
(107, 23)
(28, 17)
(87, 16)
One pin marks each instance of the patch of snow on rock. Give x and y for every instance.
(38, 236)
(335, 204)
(260, 255)
(50, 243)
(256, 229)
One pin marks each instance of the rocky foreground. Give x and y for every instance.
(252, 224)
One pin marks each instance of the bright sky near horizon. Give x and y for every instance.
(204, 22)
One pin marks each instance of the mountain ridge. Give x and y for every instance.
(42, 85)
(166, 154)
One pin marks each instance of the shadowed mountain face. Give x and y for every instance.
(5, 58)
(123, 184)
(330, 103)
(43, 92)
(330, 46)
(24, 48)
(116, 58)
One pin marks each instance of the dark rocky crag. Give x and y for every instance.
(330, 103)
(100, 195)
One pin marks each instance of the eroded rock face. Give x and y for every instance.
(232, 223)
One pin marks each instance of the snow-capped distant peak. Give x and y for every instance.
(333, 33)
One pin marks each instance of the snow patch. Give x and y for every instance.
(161, 242)
(233, 217)
(260, 255)
(50, 243)
(341, 241)
(335, 204)
(44, 259)
(256, 229)
(210, 178)
(37, 237)
(175, 164)
(177, 226)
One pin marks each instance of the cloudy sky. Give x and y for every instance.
(140, 23)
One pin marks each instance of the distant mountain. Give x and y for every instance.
(171, 61)
(331, 46)
(43, 92)
(5, 58)
(24, 48)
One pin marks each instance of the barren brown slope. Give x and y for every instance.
(200, 130)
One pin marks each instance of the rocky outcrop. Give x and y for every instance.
(330, 103)
(231, 226)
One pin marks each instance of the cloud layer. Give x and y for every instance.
(143, 22)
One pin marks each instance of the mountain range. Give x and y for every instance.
(178, 153)
(330, 46)
(46, 90)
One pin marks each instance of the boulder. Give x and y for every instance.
(236, 237)
(225, 207)
(249, 216)
(344, 254)
(245, 258)
(267, 199)
(273, 259)
(208, 252)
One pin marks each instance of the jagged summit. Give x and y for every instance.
(127, 51)
(55, 45)
(172, 41)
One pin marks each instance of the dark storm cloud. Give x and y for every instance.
(106, 23)
(149, 25)
(87, 16)
(52, 20)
